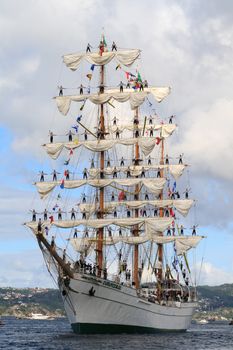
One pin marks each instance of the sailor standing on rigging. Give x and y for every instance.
(170, 119)
(85, 173)
(51, 135)
(54, 173)
(186, 193)
(194, 232)
(33, 214)
(75, 233)
(60, 90)
(88, 49)
(72, 214)
(59, 214)
(45, 215)
(180, 159)
(121, 86)
(122, 161)
(114, 47)
(81, 87)
(70, 136)
(39, 226)
(42, 174)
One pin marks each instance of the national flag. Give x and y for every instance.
(157, 140)
(172, 214)
(139, 77)
(127, 75)
(89, 76)
(174, 246)
(175, 263)
(121, 196)
(174, 187)
(62, 182)
(55, 207)
(118, 66)
(92, 67)
(75, 127)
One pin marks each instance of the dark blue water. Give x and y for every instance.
(57, 335)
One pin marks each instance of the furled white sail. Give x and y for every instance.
(182, 205)
(155, 185)
(184, 241)
(147, 144)
(135, 98)
(155, 224)
(183, 245)
(125, 57)
(136, 170)
(82, 245)
(165, 129)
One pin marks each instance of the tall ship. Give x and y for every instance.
(111, 230)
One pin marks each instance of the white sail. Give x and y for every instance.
(183, 245)
(82, 245)
(155, 185)
(184, 241)
(182, 205)
(146, 144)
(135, 98)
(154, 224)
(165, 129)
(124, 57)
(136, 170)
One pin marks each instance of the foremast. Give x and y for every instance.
(99, 257)
(136, 228)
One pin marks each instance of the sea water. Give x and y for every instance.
(57, 335)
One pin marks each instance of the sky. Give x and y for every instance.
(187, 45)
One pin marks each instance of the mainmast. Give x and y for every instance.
(136, 230)
(160, 246)
(101, 128)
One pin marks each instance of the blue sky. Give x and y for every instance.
(186, 44)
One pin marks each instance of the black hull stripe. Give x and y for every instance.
(101, 328)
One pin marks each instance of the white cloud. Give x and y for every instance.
(212, 275)
(24, 269)
(186, 45)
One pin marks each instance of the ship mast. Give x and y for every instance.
(101, 128)
(160, 246)
(135, 230)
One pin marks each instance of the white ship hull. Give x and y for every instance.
(113, 310)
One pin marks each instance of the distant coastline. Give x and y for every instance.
(215, 303)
